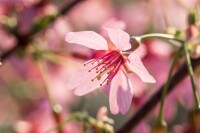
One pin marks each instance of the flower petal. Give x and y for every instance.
(119, 38)
(89, 39)
(120, 94)
(82, 80)
(137, 66)
(106, 88)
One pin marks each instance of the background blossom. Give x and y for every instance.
(37, 63)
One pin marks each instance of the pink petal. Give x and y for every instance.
(87, 38)
(137, 66)
(119, 38)
(120, 94)
(106, 89)
(81, 80)
(141, 51)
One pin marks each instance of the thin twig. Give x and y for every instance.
(166, 86)
(191, 74)
(151, 103)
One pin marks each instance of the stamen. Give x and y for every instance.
(108, 64)
(105, 80)
(112, 62)
(115, 70)
(92, 61)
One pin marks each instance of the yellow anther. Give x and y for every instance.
(99, 77)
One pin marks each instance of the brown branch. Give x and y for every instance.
(25, 39)
(151, 103)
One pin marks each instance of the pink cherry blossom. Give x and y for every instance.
(102, 8)
(140, 20)
(142, 127)
(109, 70)
(114, 23)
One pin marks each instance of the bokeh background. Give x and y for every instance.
(38, 70)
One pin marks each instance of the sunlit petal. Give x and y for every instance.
(137, 66)
(120, 94)
(89, 39)
(82, 82)
(119, 38)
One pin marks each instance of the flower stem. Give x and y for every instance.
(190, 71)
(55, 108)
(159, 35)
(166, 86)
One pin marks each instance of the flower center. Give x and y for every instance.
(108, 64)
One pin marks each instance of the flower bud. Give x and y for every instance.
(193, 17)
(191, 35)
(135, 43)
(171, 30)
(192, 32)
(194, 120)
(160, 127)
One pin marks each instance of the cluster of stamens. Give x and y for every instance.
(108, 64)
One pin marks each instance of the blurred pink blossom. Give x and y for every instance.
(42, 124)
(26, 68)
(12, 2)
(185, 94)
(135, 16)
(164, 13)
(111, 68)
(114, 23)
(56, 33)
(7, 41)
(160, 49)
(142, 127)
(4, 9)
(90, 13)
(58, 76)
